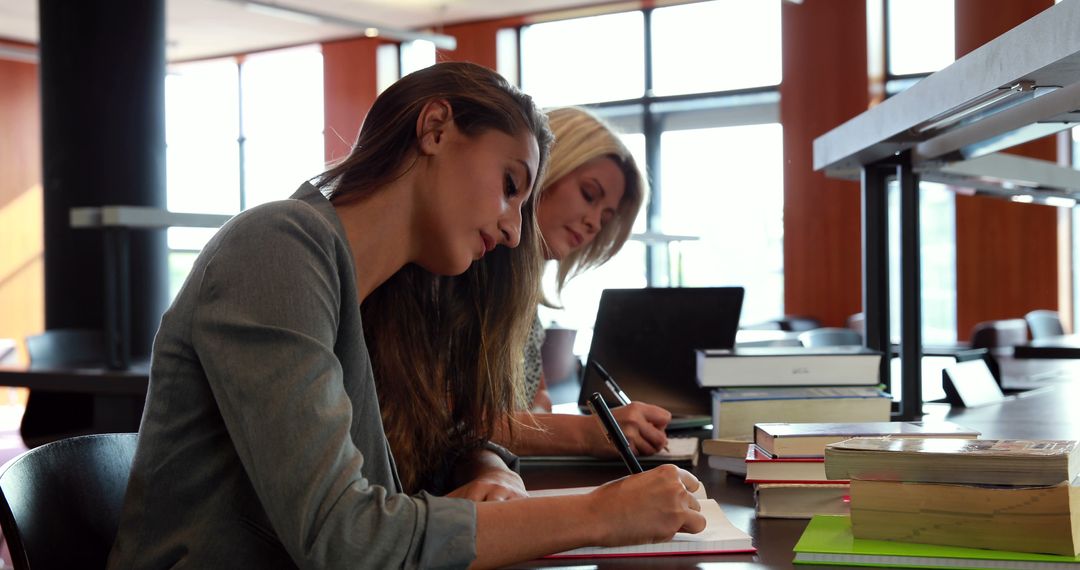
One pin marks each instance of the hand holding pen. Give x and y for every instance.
(614, 433)
(643, 424)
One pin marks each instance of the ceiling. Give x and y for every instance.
(206, 28)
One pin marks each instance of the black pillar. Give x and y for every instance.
(102, 71)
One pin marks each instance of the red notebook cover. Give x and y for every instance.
(763, 468)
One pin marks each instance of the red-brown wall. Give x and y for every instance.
(22, 277)
(1006, 253)
(349, 89)
(475, 41)
(825, 83)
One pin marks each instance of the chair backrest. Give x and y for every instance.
(999, 333)
(830, 336)
(60, 503)
(797, 323)
(67, 347)
(559, 362)
(857, 323)
(1044, 323)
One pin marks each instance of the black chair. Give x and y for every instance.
(1044, 323)
(830, 336)
(51, 416)
(999, 337)
(60, 503)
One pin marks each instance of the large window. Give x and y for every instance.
(238, 134)
(703, 122)
(921, 41)
(557, 70)
(920, 36)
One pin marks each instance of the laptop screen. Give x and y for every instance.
(645, 338)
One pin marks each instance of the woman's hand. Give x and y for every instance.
(489, 479)
(647, 507)
(643, 425)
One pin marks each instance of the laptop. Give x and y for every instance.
(645, 338)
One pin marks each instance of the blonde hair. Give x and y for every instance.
(581, 136)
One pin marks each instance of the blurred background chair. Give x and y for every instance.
(1044, 323)
(51, 416)
(60, 503)
(857, 323)
(830, 336)
(998, 336)
(789, 323)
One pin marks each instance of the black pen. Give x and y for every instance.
(610, 383)
(600, 409)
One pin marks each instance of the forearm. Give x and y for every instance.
(547, 434)
(473, 464)
(516, 531)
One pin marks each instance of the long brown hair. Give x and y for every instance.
(446, 351)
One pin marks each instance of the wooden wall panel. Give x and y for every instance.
(1006, 253)
(825, 83)
(22, 290)
(349, 90)
(476, 41)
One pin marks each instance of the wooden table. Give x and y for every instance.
(1047, 413)
(116, 397)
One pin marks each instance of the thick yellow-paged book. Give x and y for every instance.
(944, 460)
(1022, 519)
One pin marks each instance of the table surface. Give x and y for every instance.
(1046, 413)
(86, 380)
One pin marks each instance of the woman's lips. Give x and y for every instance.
(489, 242)
(575, 237)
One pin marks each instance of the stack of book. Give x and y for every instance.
(1010, 495)
(787, 465)
(786, 384)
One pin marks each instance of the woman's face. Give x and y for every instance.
(574, 208)
(478, 186)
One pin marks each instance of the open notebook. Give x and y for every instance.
(680, 451)
(719, 536)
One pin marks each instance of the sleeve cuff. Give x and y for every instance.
(450, 540)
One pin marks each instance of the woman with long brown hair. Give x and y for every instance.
(262, 443)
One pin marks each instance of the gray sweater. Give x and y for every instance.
(261, 445)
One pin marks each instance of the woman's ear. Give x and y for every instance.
(431, 125)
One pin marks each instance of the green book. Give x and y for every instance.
(827, 541)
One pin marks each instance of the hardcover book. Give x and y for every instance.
(800, 501)
(736, 410)
(980, 461)
(788, 366)
(828, 541)
(762, 468)
(810, 439)
(1024, 519)
(732, 465)
(734, 446)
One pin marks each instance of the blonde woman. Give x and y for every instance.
(591, 196)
